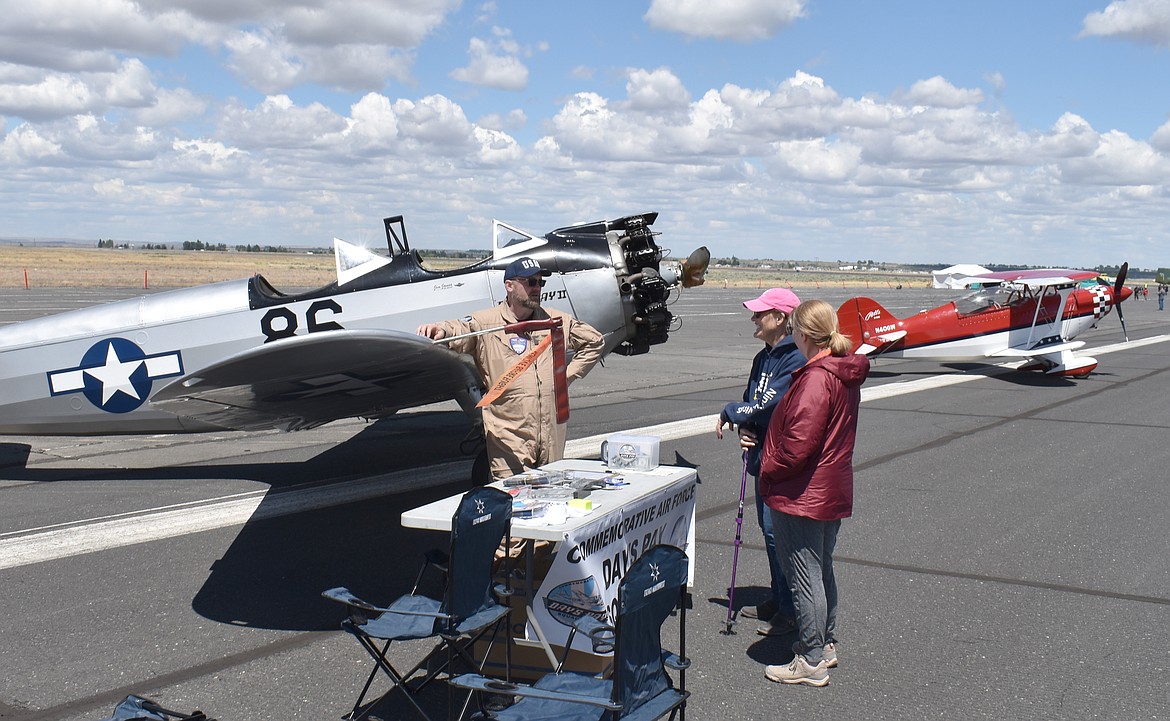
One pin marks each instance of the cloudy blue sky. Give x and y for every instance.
(996, 131)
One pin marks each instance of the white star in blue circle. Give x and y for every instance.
(115, 375)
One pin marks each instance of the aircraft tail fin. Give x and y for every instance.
(870, 327)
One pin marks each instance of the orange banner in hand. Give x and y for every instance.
(560, 381)
(556, 340)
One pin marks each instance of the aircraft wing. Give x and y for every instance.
(308, 380)
(1037, 277)
(1019, 352)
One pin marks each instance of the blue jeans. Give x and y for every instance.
(805, 549)
(781, 596)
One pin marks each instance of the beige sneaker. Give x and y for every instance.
(799, 671)
(830, 656)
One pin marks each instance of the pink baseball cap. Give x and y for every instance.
(780, 299)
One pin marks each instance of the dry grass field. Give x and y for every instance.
(117, 268)
(114, 268)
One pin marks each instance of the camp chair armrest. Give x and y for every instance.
(674, 661)
(476, 682)
(503, 592)
(344, 596)
(601, 634)
(365, 609)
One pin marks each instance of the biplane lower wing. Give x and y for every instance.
(306, 381)
(1053, 349)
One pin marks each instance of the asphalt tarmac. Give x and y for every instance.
(1008, 556)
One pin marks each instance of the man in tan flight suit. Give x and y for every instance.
(520, 426)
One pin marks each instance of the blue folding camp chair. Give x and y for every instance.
(639, 688)
(470, 606)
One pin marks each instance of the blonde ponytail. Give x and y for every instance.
(839, 343)
(817, 320)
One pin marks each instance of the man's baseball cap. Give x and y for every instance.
(780, 299)
(524, 268)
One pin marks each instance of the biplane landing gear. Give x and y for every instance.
(1074, 367)
(1066, 365)
(1070, 366)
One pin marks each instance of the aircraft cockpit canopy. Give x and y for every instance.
(985, 299)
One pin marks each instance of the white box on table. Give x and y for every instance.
(628, 452)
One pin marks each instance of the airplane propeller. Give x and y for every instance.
(1117, 286)
(695, 267)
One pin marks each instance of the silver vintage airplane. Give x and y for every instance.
(242, 355)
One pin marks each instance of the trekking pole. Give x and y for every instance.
(735, 555)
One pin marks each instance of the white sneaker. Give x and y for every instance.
(830, 655)
(799, 670)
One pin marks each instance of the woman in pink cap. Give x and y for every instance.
(768, 381)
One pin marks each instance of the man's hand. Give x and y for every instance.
(719, 426)
(433, 331)
(747, 438)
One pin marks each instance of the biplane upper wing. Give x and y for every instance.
(1036, 278)
(305, 381)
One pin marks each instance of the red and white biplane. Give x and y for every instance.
(1032, 315)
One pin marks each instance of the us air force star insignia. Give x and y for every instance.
(654, 574)
(479, 505)
(115, 375)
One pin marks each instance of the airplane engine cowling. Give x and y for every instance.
(644, 279)
(646, 287)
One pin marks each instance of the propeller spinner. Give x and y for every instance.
(695, 267)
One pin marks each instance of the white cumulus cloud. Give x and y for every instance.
(1142, 20)
(494, 64)
(742, 20)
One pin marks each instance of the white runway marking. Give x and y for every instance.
(38, 545)
(155, 524)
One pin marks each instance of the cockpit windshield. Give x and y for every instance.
(985, 299)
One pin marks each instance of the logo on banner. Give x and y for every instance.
(571, 600)
(518, 344)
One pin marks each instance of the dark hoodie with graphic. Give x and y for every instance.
(806, 468)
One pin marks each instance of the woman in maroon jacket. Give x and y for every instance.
(806, 478)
